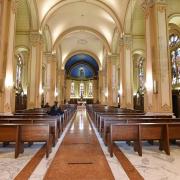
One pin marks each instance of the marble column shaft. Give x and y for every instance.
(7, 65)
(126, 71)
(158, 95)
(51, 79)
(35, 71)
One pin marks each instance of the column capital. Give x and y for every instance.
(36, 38)
(145, 4)
(113, 57)
(126, 40)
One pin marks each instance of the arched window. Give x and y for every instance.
(90, 89)
(174, 44)
(140, 75)
(72, 89)
(81, 90)
(19, 68)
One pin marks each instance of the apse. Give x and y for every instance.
(82, 66)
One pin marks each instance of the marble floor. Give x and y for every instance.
(154, 164)
(9, 166)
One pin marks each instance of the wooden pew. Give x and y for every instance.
(59, 119)
(127, 116)
(98, 115)
(52, 124)
(139, 132)
(20, 133)
(106, 128)
(36, 133)
(10, 133)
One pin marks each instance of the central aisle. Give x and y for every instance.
(80, 155)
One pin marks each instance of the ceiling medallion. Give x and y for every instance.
(82, 41)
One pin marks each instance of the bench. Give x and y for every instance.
(59, 119)
(20, 133)
(10, 133)
(116, 117)
(106, 128)
(139, 132)
(52, 125)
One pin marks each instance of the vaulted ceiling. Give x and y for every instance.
(82, 25)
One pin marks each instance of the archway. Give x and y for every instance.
(174, 47)
(138, 79)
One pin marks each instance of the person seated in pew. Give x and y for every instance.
(55, 110)
(61, 111)
(46, 105)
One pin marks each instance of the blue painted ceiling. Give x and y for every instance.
(82, 66)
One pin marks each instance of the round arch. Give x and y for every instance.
(81, 52)
(34, 17)
(98, 3)
(84, 28)
(48, 39)
(21, 48)
(139, 51)
(173, 16)
(129, 16)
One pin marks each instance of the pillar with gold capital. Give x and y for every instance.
(51, 91)
(7, 65)
(126, 70)
(158, 95)
(35, 71)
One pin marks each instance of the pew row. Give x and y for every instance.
(138, 132)
(20, 133)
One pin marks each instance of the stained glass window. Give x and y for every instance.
(19, 68)
(174, 44)
(81, 90)
(90, 89)
(140, 75)
(72, 89)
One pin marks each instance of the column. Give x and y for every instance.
(35, 71)
(126, 70)
(100, 87)
(62, 85)
(7, 65)
(112, 80)
(158, 95)
(51, 79)
(95, 90)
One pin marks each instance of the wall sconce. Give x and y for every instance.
(9, 82)
(155, 87)
(56, 93)
(106, 94)
(41, 91)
